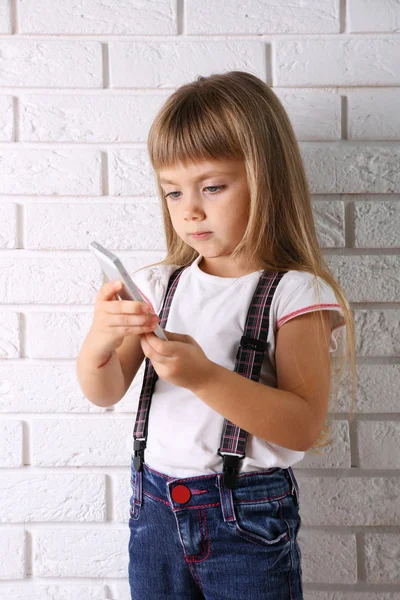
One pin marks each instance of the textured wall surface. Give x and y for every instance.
(80, 83)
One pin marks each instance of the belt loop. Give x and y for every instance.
(226, 498)
(295, 487)
(137, 493)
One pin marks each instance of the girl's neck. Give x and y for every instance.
(227, 269)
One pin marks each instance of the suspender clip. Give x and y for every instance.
(138, 460)
(249, 343)
(231, 469)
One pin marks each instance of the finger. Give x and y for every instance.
(108, 290)
(176, 336)
(150, 352)
(161, 347)
(129, 307)
(145, 346)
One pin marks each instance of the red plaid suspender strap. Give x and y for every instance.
(149, 380)
(249, 359)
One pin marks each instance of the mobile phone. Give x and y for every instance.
(114, 270)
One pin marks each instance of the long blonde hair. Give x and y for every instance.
(236, 115)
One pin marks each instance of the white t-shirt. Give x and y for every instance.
(184, 433)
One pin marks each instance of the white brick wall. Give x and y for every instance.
(79, 86)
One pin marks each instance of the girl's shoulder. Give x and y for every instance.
(152, 282)
(299, 292)
(301, 281)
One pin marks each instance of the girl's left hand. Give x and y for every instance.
(180, 361)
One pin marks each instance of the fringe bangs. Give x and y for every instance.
(196, 128)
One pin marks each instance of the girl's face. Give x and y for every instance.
(210, 196)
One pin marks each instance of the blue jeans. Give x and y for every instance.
(204, 541)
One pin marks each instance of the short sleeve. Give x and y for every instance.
(153, 282)
(298, 296)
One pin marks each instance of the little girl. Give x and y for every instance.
(239, 392)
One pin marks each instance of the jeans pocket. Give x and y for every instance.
(262, 522)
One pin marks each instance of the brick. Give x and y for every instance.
(324, 106)
(94, 17)
(341, 60)
(76, 118)
(168, 65)
(368, 15)
(66, 591)
(41, 231)
(377, 389)
(329, 221)
(49, 172)
(65, 497)
(42, 387)
(6, 119)
(102, 552)
(377, 223)
(8, 225)
(351, 168)
(12, 554)
(131, 173)
(9, 334)
(327, 557)
(91, 442)
(373, 114)
(378, 444)
(5, 17)
(11, 442)
(382, 557)
(261, 17)
(44, 63)
(362, 280)
(349, 501)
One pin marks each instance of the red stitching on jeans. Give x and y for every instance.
(207, 538)
(205, 542)
(178, 508)
(291, 557)
(262, 499)
(192, 558)
(156, 498)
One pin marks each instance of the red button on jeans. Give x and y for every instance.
(181, 494)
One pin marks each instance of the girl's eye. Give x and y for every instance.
(209, 187)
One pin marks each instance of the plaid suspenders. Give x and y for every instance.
(149, 381)
(249, 359)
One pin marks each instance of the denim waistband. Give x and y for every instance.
(208, 490)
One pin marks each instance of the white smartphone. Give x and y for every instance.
(114, 270)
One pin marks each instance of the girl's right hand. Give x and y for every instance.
(114, 319)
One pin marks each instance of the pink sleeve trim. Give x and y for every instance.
(307, 309)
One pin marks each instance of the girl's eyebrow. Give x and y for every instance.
(203, 176)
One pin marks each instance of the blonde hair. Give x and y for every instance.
(236, 115)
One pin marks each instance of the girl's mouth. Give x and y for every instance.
(201, 236)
